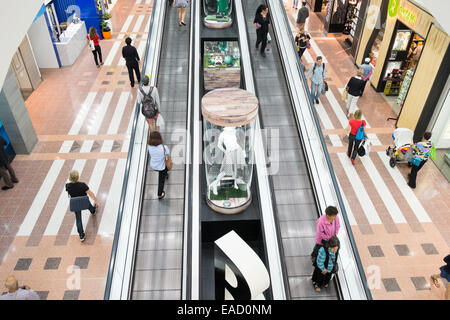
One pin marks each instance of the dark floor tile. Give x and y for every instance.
(71, 294)
(43, 294)
(121, 82)
(105, 82)
(375, 251)
(402, 250)
(82, 262)
(52, 263)
(429, 248)
(420, 283)
(390, 284)
(109, 73)
(125, 73)
(23, 264)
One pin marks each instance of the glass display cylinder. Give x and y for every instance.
(217, 13)
(228, 135)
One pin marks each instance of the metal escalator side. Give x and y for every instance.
(149, 232)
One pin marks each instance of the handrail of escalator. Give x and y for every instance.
(127, 171)
(328, 160)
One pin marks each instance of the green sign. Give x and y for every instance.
(395, 8)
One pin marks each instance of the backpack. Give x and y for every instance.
(149, 107)
(360, 133)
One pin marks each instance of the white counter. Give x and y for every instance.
(73, 41)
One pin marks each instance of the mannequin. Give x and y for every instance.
(234, 156)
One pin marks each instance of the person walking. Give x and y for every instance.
(93, 43)
(318, 72)
(158, 153)
(368, 70)
(148, 96)
(354, 87)
(6, 171)
(302, 15)
(327, 225)
(262, 23)
(302, 41)
(79, 189)
(131, 56)
(326, 263)
(422, 150)
(18, 293)
(445, 276)
(353, 139)
(181, 5)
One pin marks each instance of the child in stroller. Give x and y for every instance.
(401, 152)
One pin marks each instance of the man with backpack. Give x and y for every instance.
(318, 73)
(148, 97)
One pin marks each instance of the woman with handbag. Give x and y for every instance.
(422, 151)
(326, 264)
(79, 192)
(302, 41)
(181, 5)
(159, 160)
(262, 22)
(354, 139)
(93, 43)
(354, 90)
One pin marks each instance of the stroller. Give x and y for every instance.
(401, 152)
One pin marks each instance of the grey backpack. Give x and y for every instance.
(149, 107)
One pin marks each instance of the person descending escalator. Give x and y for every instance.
(325, 264)
(262, 23)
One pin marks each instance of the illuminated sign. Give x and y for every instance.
(395, 8)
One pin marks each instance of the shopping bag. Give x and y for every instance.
(269, 40)
(361, 150)
(433, 153)
(366, 145)
(345, 95)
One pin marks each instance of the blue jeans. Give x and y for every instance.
(316, 90)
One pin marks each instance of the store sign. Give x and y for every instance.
(395, 8)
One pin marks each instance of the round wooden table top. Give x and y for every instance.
(229, 107)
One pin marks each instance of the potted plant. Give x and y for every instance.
(106, 30)
(106, 17)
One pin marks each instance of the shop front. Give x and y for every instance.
(407, 50)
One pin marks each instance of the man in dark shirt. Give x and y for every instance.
(130, 54)
(5, 167)
(303, 13)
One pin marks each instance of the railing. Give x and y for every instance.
(130, 196)
(356, 286)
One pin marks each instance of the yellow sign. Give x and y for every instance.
(395, 8)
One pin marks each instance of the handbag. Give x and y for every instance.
(91, 44)
(258, 25)
(325, 86)
(416, 161)
(169, 163)
(361, 150)
(79, 203)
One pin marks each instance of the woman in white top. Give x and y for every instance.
(158, 152)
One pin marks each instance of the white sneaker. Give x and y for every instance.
(82, 239)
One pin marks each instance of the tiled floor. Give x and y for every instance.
(82, 116)
(402, 234)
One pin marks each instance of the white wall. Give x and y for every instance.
(16, 17)
(42, 45)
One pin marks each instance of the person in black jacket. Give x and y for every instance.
(131, 56)
(5, 168)
(262, 22)
(355, 87)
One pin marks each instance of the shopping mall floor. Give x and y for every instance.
(82, 116)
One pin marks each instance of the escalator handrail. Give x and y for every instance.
(329, 163)
(127, 171)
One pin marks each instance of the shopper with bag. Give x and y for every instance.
(354, 89)
(318, 73)
(356, 135)
(148, 97)
(94, 45)
(159, 160)
(326, 226)
(181, 5)
(79, 200)
(262, 23)
(421, 151)
(326, 263)
(302, 41)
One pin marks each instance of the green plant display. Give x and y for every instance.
(228, 193)
(106, 16)
(105, 27)
(209, 62)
